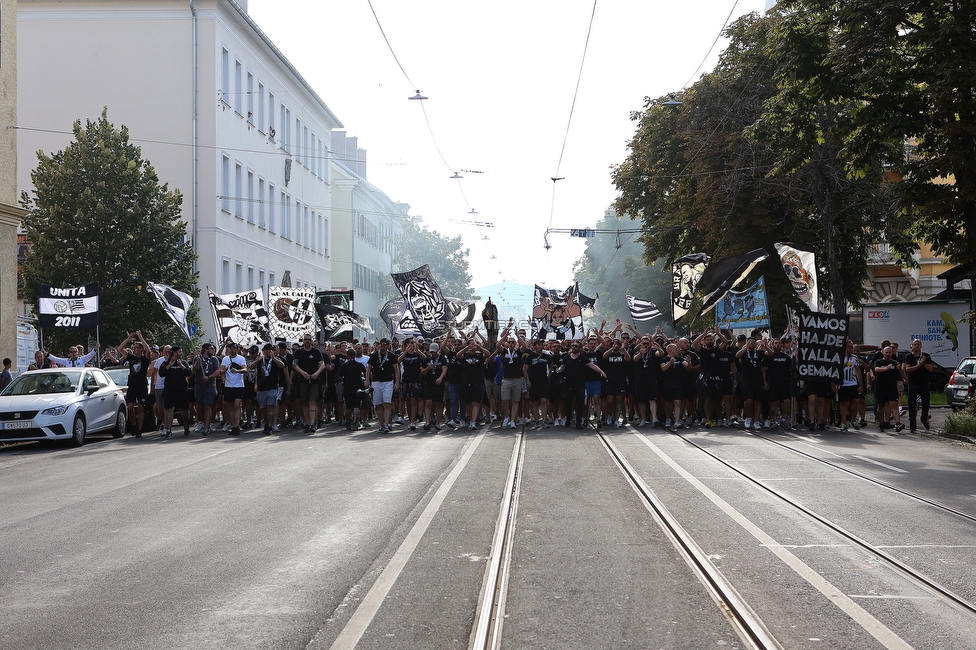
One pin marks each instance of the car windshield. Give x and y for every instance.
(119, 375)
(966, 367)
(43, 383)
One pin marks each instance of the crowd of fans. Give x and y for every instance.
(608, 378)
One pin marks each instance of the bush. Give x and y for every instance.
(962, 423)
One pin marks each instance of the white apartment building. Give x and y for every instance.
(366, 231)
(218, 111)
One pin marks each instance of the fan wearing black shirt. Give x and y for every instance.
(573, 366)
(887, 371)
(535, 371)
(917, 367)
(411, 360)
(352, 374)
(137, 391)
(472, 357)
(269, 376)
(309, 364)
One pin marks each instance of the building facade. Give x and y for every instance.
(216, 108)
(366, 231)
(10, 213)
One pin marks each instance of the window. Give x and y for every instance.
(325, 236)
(250, 278)
(250, 196)
(313, 238)
(225, 183)
(250, 98)
(271, 278)
(313, 155)
(262, 125)
(238, 86)
(305, 227)
(239, 277)
(285, 216)
(261, 277)
(305, 144)
(298, 144)
(225, 275)
(239, 190)
(271, 207)
(297, 238)
(271, 115)
(225, 76)
(262, 222)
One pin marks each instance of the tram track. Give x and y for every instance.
(900, 567)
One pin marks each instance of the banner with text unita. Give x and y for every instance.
(820, 354)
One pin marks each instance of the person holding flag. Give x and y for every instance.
(137, 390)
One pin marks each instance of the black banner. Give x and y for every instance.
(820, 355)
(61, 307)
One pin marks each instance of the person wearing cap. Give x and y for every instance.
(308, 366)
(233, 366)
(383, 374)
(269, 377)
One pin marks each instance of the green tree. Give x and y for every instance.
(448, 261)
(703, 176)
(99, 214)
(909, 68)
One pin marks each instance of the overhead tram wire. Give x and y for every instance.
(421, 99)
(714, 43)
(556, 177)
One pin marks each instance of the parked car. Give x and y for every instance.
(120, 375)
(61, 404)
(961, 384)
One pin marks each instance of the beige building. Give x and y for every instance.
(10, 214)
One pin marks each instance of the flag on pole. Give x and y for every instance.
(424, 300)
(68, 306)
(800, 266)
(686, 272)
(175, 303)
(642, 309)
(725, 275)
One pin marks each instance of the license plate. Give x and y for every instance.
(27, 424)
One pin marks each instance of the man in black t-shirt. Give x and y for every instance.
(308, 366)
(535, 371)
(137, 389)
(777, 372)
(886, 372)
(917, 367)
(269, 377)
(352, 374)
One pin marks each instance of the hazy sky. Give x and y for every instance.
(500, 77)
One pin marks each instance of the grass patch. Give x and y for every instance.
(935, 399)
(962, 423)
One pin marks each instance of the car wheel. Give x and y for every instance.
(120, 422)
(78, 430)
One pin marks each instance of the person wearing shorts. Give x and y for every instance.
(206, 369)
(512, 360)
(308, 366)
(268, 378)
(137, 390)
(233, 366)
(383, 374)
(174, 372)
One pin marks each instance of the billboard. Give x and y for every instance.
(935, 322)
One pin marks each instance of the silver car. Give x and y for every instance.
(961, 383)
(61, 404)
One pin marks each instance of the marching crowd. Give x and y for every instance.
(608, 378)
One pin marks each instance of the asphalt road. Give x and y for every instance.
(342, 540)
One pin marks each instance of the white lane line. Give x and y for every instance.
(858, 614)
(356, 627)
(880, 464)
(824, 451)
(892, 597)
(927, 546)
(793, 435)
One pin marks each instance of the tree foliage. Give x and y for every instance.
(909, 69)
(99, 214)
(448, 261)
(724, 174)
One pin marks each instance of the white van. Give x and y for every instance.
(27, 345)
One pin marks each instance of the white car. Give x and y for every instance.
(61, 404)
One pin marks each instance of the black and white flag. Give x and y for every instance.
(686, 272)
(176, 303)
(800, 266)
(399, 319)
(68, 306)
(241, 317)
(336, 320)
(726, 274)
(642, 309)
(560, 314)
(424, 300)
(291, 312)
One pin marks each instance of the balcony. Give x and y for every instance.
(880, 255)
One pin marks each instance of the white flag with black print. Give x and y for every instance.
(800, 266)
(68, 306)
(685, 274)
(291, 313)
(176, 303)
(241, 317)
(642, 309)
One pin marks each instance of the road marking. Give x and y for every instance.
(364, 614)
(858, 614)
(880, 464)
